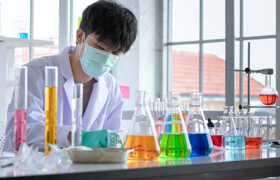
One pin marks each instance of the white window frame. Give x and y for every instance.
(229, 48)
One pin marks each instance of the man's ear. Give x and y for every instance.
(79, 36)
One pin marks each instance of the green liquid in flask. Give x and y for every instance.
(174, 145)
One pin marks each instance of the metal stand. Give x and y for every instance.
(248, 71)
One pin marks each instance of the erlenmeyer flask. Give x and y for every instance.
(197, 128)
(142, 135)
(268, 94)
(174, 141)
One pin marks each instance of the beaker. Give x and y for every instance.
(142, 134)
(266, 131)
(50, 105)
(253, 132)
(174, 143)
(77, 114)
(268, 94)
(200, 139)
(20, 107)
(233, 131)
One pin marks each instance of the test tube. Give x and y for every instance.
(50, 105)
(77, 112)
(20, 107)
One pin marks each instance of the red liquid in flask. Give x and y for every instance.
(268, 99)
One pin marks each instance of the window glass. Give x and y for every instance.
(78, 8)
(15, 17)
(185, 69)
(213, 19)
(214, 76)
(185, 20)
(237, 18)
(46, 26)
(259, 17)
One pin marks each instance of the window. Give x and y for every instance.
(78, 8)
(198, 50)
(255, 22)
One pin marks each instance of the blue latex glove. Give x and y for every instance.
(95, 139)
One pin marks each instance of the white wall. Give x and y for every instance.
(138, 68)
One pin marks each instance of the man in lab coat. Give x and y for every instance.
(107, 31)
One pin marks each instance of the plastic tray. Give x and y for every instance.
(98, 155)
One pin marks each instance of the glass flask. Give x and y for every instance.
(268, 94)
(199, 136)
(174, 140)
(142, 135)
(233, 131)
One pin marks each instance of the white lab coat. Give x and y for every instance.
(103, 111)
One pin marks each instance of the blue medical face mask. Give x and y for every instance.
(96, 63)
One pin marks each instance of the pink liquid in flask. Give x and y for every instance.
(20, 128)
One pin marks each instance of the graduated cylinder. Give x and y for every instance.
(20, 107)
(50, 104)
(77, 114)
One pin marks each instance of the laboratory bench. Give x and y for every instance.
(243, 164)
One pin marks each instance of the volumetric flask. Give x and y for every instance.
(142, 134)
(174, 140)
(199, 136)
(20, 107)
(77, 114)
(50, 104)
(268, 94)
(253, 132)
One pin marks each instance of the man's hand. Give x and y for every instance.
(69, 136)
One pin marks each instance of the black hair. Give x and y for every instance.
(115, 25)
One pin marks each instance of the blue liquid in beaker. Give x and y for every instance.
(200, 144)
(234, 142)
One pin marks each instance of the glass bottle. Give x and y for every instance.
(50, 105)
(215, 133)
(197, 127)
(142, 135)
(174, 143)
(268, 94)
(20, 108)
(77, 114)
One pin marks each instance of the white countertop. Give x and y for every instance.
(246, 163)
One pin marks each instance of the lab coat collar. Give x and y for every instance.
(66, 71)
(64, 62)
(99, 96)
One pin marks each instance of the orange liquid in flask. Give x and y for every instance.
(144, 147)
(268, 99)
